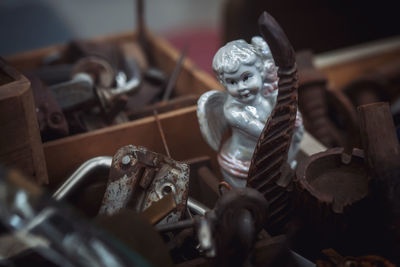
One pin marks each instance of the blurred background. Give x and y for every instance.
(204, 25)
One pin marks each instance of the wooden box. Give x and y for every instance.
(180, 126)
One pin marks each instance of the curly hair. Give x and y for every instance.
(229, 57)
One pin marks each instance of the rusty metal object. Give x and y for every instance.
(271, 151)
(196, 207)
(52, 123)
(110, 74)
(75, 94)
(139, 177)
(127, 82)
(183, 224)
(82, 175)
(101, 72)
(159, 209)
(175, 74)
(103, 83)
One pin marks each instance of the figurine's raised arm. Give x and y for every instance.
(211, 117)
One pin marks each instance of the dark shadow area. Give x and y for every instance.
(313, 24)
(29, 26)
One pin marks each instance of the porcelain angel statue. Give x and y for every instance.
(249, 74)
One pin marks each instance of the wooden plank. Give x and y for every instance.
(20, 143)
(180, 127)
(379, 138)
(343, 65)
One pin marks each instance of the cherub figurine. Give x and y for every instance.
(249, 74)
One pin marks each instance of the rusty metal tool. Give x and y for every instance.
(52, 122)
(93, 81)
(103, 163)
(175, 74)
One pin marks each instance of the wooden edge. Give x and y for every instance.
(344, 65)
(166, 56)
(199, 80)
(356, 53)
(119, 127)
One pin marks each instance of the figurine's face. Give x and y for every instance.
(244, 84)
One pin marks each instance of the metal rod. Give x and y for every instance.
(174, 76)
(161, 133)
(175, 226)
(81, 174)
(141, 29)
(197, 207)
(104, 162)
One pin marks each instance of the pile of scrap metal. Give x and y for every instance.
(91, 85)
(94, 84)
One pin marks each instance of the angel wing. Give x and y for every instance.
(210, 114)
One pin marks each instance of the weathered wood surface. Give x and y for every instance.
(379, 138)
(20, 143)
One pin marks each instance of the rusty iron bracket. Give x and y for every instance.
(139, 178)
